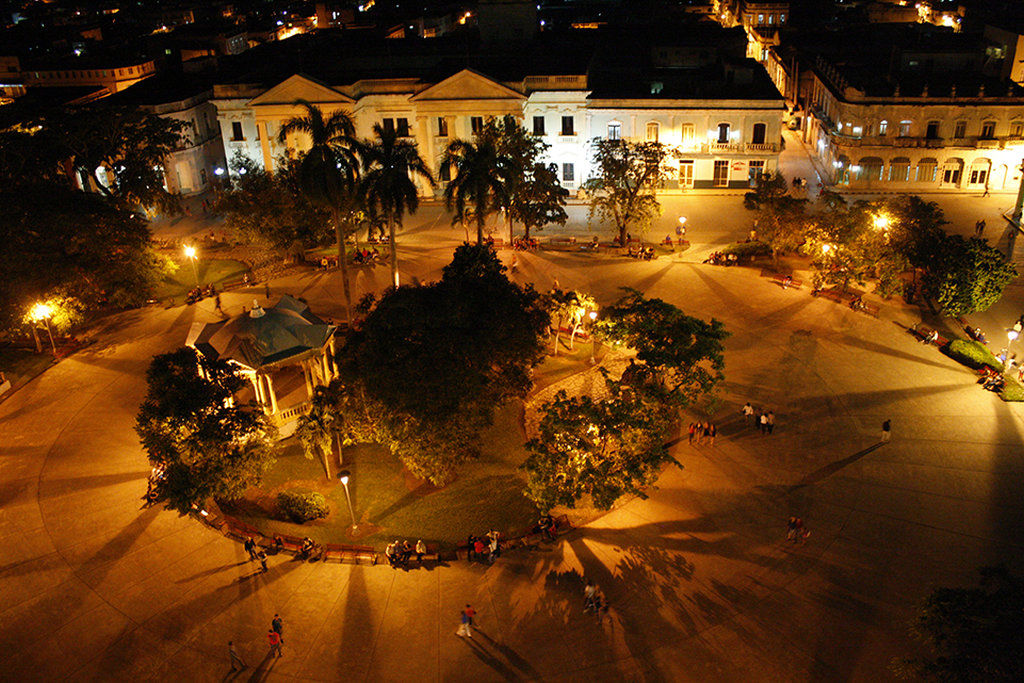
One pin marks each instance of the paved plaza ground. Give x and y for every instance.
(700, 581)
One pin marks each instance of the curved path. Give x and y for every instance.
(701, 583)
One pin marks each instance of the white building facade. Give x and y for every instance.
(713, 143)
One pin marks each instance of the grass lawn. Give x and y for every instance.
(21, 365)
(216, 271)
(390, 503)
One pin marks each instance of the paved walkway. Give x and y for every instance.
(701, 583)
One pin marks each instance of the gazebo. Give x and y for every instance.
(264, 342)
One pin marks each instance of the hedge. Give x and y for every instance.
(302, 506)
(1013, 391)
(972, 354)
(748, 249)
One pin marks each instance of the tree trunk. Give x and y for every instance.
(394, 250)
(325, 455)
(479, 231)
(339, 232)
(511, 236)
(622, 235)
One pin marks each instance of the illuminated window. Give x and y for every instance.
(442, 127)
(905, 128)
(959, 130)
(883, 127)
(652, 131)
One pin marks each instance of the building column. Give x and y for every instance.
(268, 158)
(257, 389)
(273, 395)
(334, 357)
(307, 374)
(327, 367)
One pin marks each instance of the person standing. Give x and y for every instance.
(494, 548)
(589, 594)
(263, 561)
(712, 432)
(421, 550)
(466, 625)
(886, 429)
(236, 659)
(771, 421)
(763, 423)
(250, 547)
(748, 412)
(275, 643)
(693, 432)
(277, 623)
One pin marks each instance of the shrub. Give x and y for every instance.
(302, 506)
(748, 249)
(1013, 391)
(972, 354)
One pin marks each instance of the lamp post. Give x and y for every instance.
(593, 338)
(42, 313)
(343, 476)
(190, 254)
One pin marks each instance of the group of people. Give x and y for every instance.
(399, 552)
(546, 526)
(525, 244)
(199, 293)
(642, 253)
(718, 258)
(702, 430)
(764, 420)
(796, 532)
(488, 545)
(992, 379)
(592, 599)
(256, 553)
(364, 256)
(156, 475)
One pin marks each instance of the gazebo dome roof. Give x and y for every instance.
(263, 337)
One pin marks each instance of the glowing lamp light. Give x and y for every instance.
(826, 248)
(593, 315)
(881, 222)
(218, 171)
(344, 479)
(190, 252)
(40, 312)
(682, 220)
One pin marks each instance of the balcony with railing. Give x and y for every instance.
(762, 147)
(714, 147)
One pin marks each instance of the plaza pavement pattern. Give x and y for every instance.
(701, 583)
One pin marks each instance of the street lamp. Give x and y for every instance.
(593, 337)
(190, 254)
(42, 313)
(881, 221)
(343, 476)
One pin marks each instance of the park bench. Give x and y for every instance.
(871, 309)
(581, 334)
(355, 553)
(836, 295)
(240, 530)
(433, 553)
(923, 333)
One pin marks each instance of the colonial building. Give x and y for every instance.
(902, 106)
(718, 113)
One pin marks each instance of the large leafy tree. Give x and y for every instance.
(425, 369)
(781, 219)
(683, 356)
(64, 243)
(328, 172)
(622, 189)
(270, 208)
(128, 145)
(971, 634)
(189, 424)
(532, 193)
(966, 275)
(479, 173)
(603, 448)
(391, 163)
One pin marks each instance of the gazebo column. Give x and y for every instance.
(307, 374)
(334, 357)
(325, 361)
(257, 388)
(273, 396)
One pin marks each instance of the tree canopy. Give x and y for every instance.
(189, 424)
(966, 275)
(971, 634)
(478, 186)
(599, 448)
(64, 243)
(622, 189)
(781, 219)
(429, 363)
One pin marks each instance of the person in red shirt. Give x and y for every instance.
(466, 627)
(275, 642)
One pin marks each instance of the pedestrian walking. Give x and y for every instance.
(237, 663)
(250, 547)
(266, 289)
(748, 412)
(275, 643)
(263, 561)
(791, 529)
(886, 429)
(470, 547)
(712, 432)
(693, 431)
(979, 227)
(763, 423)
(277, 623)
(589, 596)
(494, 549)
(985, 193)
(770, 418)
(796, 530)
(466, 623)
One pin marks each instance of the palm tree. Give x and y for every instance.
(316, 429)
(477, 187)
(328, 171)
(390, 164)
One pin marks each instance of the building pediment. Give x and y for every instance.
(468, 85)
(300, 87)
